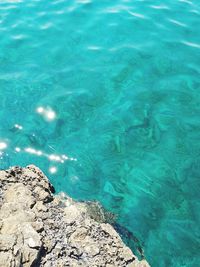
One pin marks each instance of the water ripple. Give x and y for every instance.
(177, 23)
(195, 45)
(137, 15)
(160, 7)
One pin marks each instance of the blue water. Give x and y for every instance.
(104, 96)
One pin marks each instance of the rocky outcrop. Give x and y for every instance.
(40, 229)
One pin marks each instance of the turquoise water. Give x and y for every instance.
(104, 96)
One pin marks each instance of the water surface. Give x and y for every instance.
(104, 96)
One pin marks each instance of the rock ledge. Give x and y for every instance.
(40, 229)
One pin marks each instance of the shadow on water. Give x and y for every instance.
(130, 240)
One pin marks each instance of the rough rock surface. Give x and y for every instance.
(40, 229)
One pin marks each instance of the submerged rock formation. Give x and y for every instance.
(40, 229)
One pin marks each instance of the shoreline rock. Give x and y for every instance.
(38, 228)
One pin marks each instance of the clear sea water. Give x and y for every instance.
(104, 96)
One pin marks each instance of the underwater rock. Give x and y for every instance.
(38, 228)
